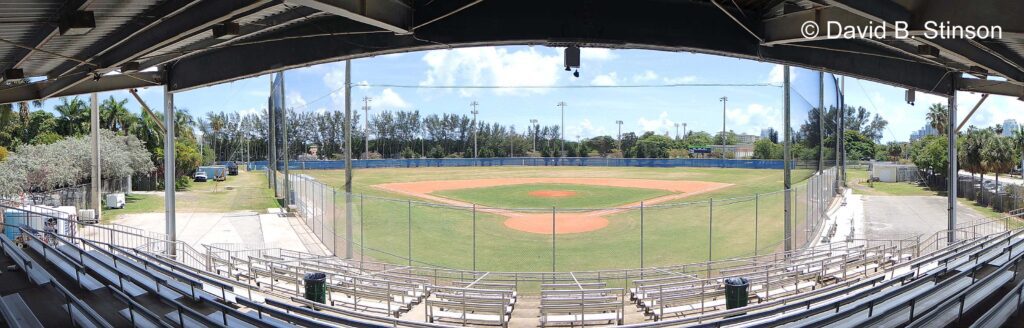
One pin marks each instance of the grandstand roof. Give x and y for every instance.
(204, 42)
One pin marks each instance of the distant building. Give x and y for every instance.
(746, 139)
(927, 130)
(1009, 126)
(765, 133)
(738, 151)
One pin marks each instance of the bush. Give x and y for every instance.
(3, 153)
(408, 153)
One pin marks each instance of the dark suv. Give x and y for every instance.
(231, 166)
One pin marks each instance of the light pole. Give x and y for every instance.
(684, 130)
(619, 122)
(724, 101)
(562, 104)
(677, 130)
(533, 125)
(474, 111)
(366, 129)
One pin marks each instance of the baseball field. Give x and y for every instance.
(561, 218)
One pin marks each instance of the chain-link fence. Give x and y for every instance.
(475, 237)
(1003, 196)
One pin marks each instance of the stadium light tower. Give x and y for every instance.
(562, 104)
(677, 130)
(579, 142)
(474, 112)
(684, 130)
(366, 129)
(533, 124)
(619, 122)
(724, 101)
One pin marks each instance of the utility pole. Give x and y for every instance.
(474, 111)
(724, 101)
(366, 129)
(533, 125)
(562, 104)
(619, 122)
(677, 130)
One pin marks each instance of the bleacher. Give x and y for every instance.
(65, 280)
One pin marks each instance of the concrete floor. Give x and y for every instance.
(246, 227)
(897, 217)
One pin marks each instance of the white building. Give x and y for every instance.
(1009, 126)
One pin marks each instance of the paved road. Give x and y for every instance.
(896, 217)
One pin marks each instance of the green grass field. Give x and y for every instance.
(585, 196)
(246, 191)
(391, 226)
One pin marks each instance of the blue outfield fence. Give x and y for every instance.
(534, 161)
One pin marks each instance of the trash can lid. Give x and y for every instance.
(316, 276)
(737, 281)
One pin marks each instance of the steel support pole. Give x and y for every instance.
(348, 159)
(94, 133)
(169, 168)
(284, 136)
(821, 121)
(787, 164)
(952, 175)
(272, 149)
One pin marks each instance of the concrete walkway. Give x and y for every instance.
(245, 227)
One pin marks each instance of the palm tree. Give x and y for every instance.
(999, 157)
(216, 125)
(115, 116)
(970, 152)
(1018, 142)
(938, 117)
(73, 115)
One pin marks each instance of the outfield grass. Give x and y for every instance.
(673, 234)
(518, 196)
(246, 191)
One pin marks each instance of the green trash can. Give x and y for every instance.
(736, 292)
(316, 287)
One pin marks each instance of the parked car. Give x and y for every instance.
(200, 176)
(232, 167)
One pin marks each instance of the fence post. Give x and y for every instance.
(334, 221)
(553, 239)
(410, 231)
(641, 235)
(474, 237)
(362, 222)
(711, 215)
(757, 198)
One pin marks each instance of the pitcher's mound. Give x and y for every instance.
(552, 193)
(564, 223)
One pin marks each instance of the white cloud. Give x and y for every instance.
(295, 100)
(776, 75)
(334, 80)
(646, 76)
(609, 79)
(753, 118)
(493, 66)
(596, 54)
(321, 110)
(363, 85)
(658, 125)
(389, 99)
(584, 129)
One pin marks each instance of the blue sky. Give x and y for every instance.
(590, 111)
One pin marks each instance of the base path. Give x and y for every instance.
(541, 222)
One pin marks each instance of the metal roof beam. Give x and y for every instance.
(888, 12)
(391, 15)
(107, 83)
(1002, 88)
(22, 54)
(131, 42)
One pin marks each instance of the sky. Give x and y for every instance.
(419, 80)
